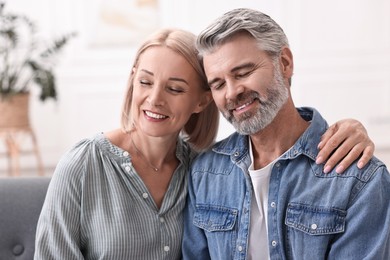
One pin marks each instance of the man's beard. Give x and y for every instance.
(250, 122)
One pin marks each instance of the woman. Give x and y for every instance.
(120, 194)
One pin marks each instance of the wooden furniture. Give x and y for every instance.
(17, 144)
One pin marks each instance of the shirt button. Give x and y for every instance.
(274, 243)
(240, 248)
(277, 165)
(145, 195)
(162, 220)
(313, 226)
(273, 204)
(166, 248)
(127, 168)
(236, 154)
(125, 153)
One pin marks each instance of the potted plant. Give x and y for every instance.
(25, 62)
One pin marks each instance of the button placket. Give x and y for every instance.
(274, 187)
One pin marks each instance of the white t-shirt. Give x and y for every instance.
(258, 233)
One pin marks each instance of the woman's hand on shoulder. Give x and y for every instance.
(343, 143)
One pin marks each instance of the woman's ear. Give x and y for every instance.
(287, 62)
(205, 100)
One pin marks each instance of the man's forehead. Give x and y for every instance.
(234, 55)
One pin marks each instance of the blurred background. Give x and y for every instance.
(341, 54)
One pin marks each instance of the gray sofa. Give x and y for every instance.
(21, 201)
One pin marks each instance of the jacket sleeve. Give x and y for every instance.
(58, 229)
(194, 245)
(367, 233)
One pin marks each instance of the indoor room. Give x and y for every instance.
(66, 66)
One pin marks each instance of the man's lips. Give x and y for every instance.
(243, 106)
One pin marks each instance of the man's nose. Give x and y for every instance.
(233, 89)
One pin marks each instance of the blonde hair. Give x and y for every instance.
(201, 129)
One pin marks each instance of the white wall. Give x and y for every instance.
(341, 50)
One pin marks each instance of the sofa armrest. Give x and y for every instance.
(21, 201)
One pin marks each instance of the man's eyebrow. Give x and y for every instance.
(243, 66)
(213, 81)
(248, 65)
(171, 78)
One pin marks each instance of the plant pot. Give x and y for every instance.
(14, 111)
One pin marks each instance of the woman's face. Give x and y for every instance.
(166, 91)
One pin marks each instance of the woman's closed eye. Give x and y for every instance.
(175, 90)
(144, 82)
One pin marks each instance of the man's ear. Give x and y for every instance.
(205, 101)
(287, 62)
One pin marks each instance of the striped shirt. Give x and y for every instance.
(97, 207)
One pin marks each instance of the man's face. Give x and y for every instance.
(246, 86)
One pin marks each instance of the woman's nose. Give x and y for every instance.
(156, 96)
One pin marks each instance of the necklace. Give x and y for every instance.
(143, 156)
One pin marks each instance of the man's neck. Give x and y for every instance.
(279, 136)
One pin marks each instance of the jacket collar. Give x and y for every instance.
(237, 145)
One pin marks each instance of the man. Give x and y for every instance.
(259, 194)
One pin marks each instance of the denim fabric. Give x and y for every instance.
(311, 215)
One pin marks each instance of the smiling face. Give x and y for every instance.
(166, 91)
(246, 83)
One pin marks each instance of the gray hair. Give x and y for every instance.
(264, 29)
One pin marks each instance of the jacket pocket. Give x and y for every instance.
(215, 218)
(315, 220)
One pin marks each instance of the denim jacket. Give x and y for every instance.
(311, 215)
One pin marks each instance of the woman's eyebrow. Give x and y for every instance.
(148, 72)
(171, 78)
(179, 79)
